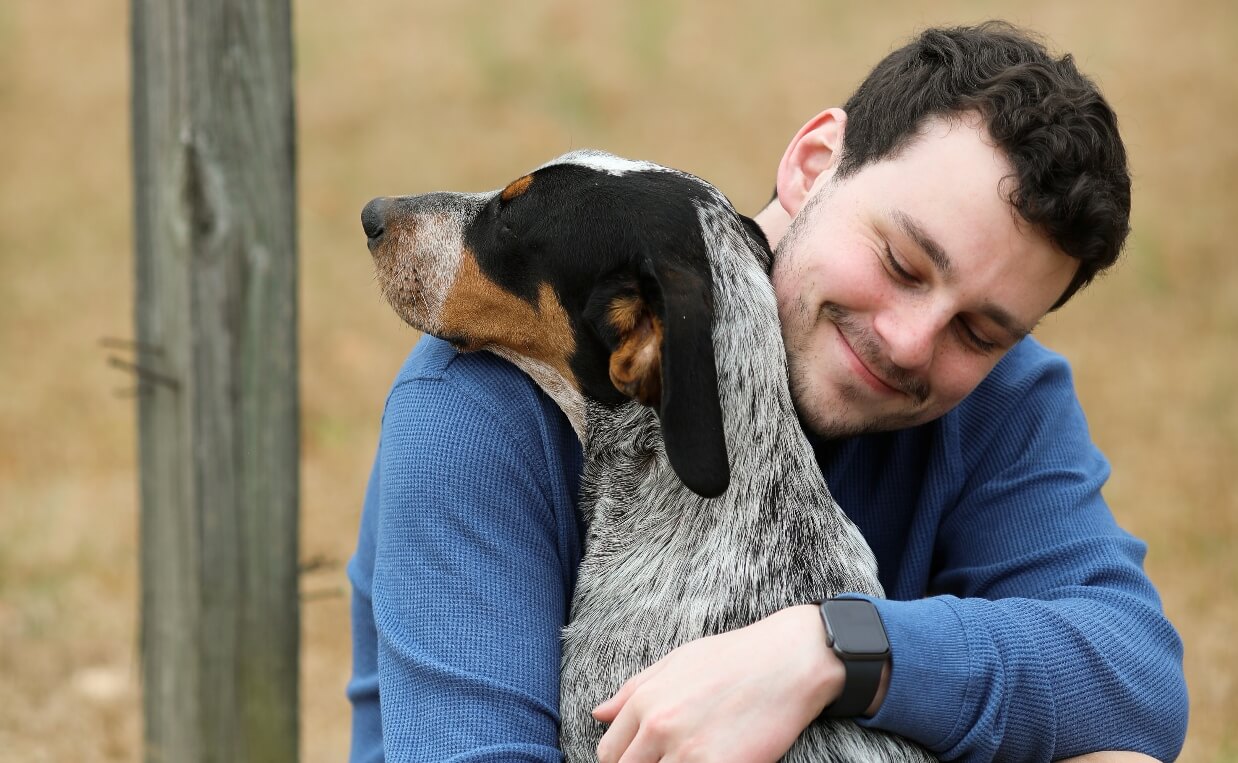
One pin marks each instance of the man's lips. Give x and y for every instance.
(861, 370)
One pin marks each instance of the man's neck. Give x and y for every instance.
(774, 221)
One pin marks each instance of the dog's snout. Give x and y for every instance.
(373, 218)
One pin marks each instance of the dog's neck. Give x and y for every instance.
(757, 410)
(751, 359)
(551, 381)
(630, 491)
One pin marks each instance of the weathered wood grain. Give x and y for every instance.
(216, 311)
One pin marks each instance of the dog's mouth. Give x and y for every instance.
(416, 243)
(402, 288)
(399, 275)
(415, 262)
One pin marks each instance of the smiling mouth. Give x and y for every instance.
(852, 333)
(864, 372)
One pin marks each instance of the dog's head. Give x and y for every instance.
(592, 269)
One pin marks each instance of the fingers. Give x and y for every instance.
(607, 711)
(616, 744)
(743, 695)
(639, 735)
(643, 749)
(618, 738)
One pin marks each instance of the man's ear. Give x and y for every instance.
(659, 328)
(812, 154)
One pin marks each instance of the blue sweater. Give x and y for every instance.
(1021, 623)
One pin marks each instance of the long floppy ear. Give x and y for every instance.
(690, 411)
(659, 328)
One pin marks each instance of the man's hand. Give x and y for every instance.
(744, 695)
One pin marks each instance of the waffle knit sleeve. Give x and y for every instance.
(1045, 639)
(467, 567)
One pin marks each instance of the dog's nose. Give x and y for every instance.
(373, 217)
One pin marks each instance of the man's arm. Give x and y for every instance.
(667, 709)
(749, 693)
(1047, 639)
(471, 543)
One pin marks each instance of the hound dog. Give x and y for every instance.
(639, 300)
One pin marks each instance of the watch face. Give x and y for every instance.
(855, 628)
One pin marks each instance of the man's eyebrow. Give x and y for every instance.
(926, 242)
(937, 255)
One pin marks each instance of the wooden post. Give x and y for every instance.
(215, 236)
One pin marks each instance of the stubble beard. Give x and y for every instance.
(866, 346)
(841, 420)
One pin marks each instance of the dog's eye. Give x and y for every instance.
(503, 219)
(502, 213)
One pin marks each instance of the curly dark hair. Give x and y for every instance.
(1052, 123)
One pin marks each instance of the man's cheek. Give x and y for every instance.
(950, 389)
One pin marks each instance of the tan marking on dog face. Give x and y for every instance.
(479, 313)
(636, 364)
(516, 187)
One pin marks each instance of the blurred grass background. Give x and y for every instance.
(409, 96)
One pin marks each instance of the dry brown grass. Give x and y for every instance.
(410, 96)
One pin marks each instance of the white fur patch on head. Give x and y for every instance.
(604, 162)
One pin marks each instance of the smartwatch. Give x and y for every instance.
(854, 631)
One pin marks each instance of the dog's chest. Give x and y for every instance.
(664, 566)
(656, 551)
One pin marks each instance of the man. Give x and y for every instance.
(970, 185)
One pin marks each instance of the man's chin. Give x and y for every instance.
(833, 420)
(835, 428)
(835, 412)
(835, 417)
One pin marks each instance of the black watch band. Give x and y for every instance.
(854, 631)
(863, 679)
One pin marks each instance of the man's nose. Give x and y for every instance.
(910, 334)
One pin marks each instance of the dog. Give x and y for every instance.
(639, 300)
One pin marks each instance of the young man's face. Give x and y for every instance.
(900, 287)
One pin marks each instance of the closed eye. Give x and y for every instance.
(970, 339)
(899, 271)
(499, 212)
(973, 341)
